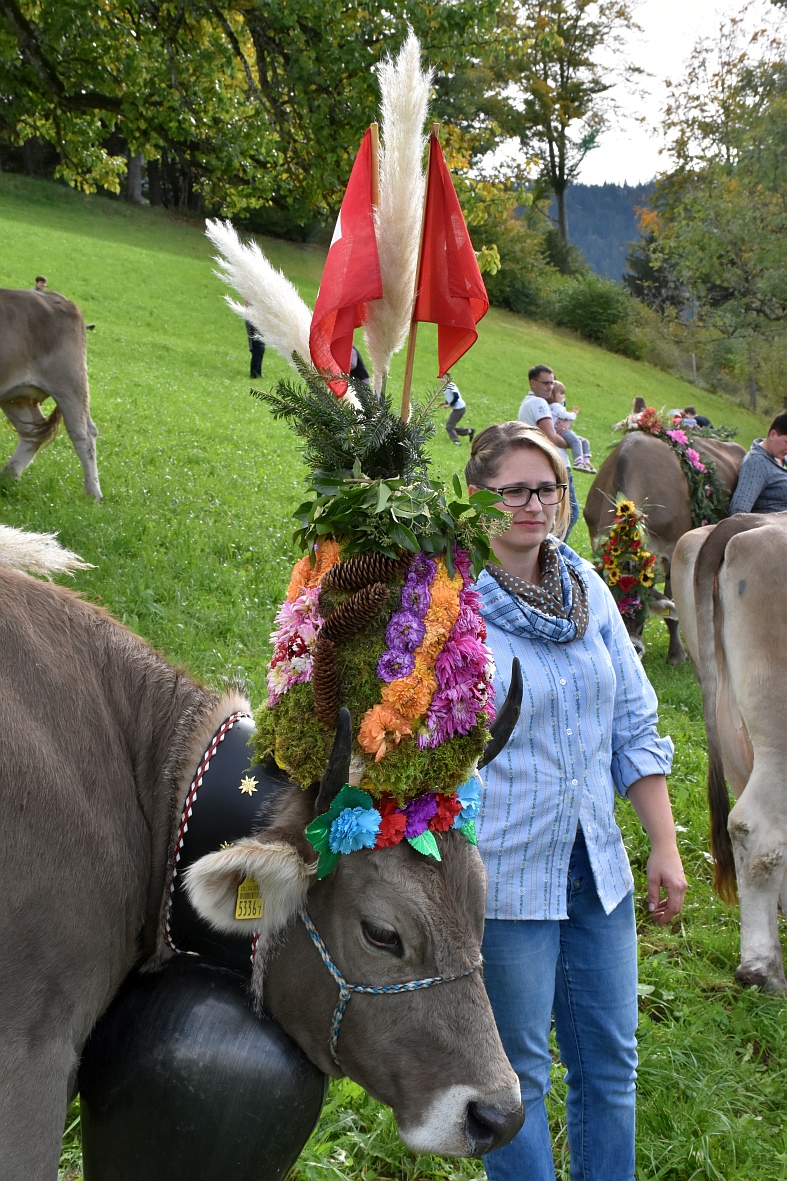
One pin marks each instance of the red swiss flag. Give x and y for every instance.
(451, 292)
(351, 277)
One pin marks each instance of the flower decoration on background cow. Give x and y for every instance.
(625, 562)
(381, 617)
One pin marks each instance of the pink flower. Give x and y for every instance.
(679, 437)
(694, 459)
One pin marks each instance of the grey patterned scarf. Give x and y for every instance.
(556, 609)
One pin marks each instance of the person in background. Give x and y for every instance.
(762, 480)
(560, 937)
(40, 284)
(699, 419)
(358, 368)
(535, 411)
(631, 421)
(456, 404)
(562, 420)
(256, 347)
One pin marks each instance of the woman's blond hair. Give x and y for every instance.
(494, 442)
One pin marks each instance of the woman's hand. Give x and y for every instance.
(665, 871)
(650, 800)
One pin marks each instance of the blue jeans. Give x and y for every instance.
(582, 970)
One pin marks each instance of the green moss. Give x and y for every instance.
(407, 771)
(300, 742)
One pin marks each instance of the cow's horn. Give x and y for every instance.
(338, 770)
(503, 725)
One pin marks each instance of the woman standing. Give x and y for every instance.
(560, 937)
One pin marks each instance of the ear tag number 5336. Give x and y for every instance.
(248, 904)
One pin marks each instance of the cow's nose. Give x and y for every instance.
(489, 1126)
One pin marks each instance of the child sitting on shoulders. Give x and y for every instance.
(562, 420)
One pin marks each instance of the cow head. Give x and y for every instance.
(658, 604)
(387, 916)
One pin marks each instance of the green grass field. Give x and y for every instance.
(192, 549)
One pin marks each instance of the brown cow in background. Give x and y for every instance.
(648, 471)
(43, 355)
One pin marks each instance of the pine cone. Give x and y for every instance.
(363, 571)
(352, 615)
(325, 681)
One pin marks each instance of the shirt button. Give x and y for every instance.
(569, 731)
(574, 782)
(562, 680)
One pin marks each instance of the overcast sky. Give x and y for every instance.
(628, 152)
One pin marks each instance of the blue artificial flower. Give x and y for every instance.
(469, 794)
(354, 828)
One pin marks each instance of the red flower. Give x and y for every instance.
(392, 824)
(627, 582)
(448, 808)
(636, 544)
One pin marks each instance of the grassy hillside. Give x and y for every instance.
(192, 549)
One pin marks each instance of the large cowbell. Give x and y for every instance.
(181, 1080)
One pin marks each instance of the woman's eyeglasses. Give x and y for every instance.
(518, 495)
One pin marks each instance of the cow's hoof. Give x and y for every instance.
(675, 658)
(9, 475)
(771, 981)
(96, 493)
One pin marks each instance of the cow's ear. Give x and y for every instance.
(221, 886)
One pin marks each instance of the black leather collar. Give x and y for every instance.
(225, 799)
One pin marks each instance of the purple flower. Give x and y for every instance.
(462, 659)
(395, 664)
(422, 569)
(708, 490)
(405, 632)
(419, 812)
(462, 563)
(415, 596)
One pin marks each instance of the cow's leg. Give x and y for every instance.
(33, 430)
(676, 653)
(759, 841)
(82, 432)
(33, 1105)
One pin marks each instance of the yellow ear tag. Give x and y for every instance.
(248, 904)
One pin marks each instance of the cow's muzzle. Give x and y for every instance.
(489, 1126)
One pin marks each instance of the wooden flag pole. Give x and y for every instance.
(375, 130)
(408, 367)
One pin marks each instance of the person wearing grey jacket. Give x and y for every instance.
(762, 482)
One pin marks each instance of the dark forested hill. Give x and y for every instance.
(602, 223)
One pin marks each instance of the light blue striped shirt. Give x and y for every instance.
(588, 726)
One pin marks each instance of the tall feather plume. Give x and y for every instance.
(404, 90)
(275, 308)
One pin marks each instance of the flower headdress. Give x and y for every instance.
(378, 651)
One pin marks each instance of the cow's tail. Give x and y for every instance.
(45, 431)
(706, 594)
(37, 553)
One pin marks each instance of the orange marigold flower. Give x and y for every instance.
(410, 695)
(304, 574)
(382, 727)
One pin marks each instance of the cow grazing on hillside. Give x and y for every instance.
(43, 355)
(101, 738)
(647, 471)
(727, 582)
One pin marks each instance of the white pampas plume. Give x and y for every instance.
(37, 553)
(404, 90)
(274, 306)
